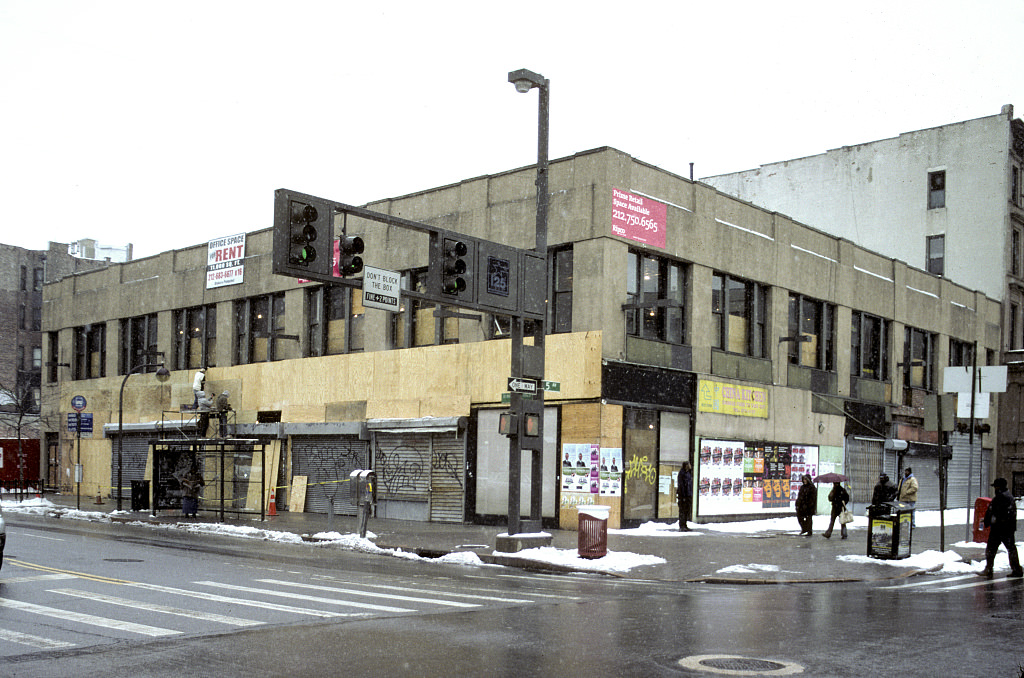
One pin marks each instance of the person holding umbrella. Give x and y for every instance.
(838, 498)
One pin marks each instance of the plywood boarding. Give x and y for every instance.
(297, 494)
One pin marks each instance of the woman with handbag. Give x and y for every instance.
(838, 498)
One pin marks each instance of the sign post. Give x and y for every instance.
(78, 404)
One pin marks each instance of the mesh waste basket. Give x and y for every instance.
(593, 531)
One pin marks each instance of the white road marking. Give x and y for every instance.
(153, 607)
(34, 641)
(364, 592)
(90, 619)
(299, 596)
(241, 601)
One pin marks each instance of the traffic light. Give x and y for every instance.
(349, 247)
(303, 231)
(454, 268)
(302, 234)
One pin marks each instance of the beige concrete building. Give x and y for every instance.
(948, 200)
(686, 325)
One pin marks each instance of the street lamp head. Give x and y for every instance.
(163, 374)
(525, 80)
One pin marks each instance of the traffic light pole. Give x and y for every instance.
(528, 361)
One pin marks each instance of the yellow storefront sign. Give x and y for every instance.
(734, 399)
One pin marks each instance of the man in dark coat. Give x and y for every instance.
(885, 490)
(1001, 519)
(684, 495)
(806, 504)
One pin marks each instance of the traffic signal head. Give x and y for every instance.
(303, 231)
(349, 247)
(453, 269)
(302, 234)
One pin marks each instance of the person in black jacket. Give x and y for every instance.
(1001, 519)
(806, 504)
(885, 490)
(684, 495)
(838, 498)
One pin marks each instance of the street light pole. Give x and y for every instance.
(531, 357)
(162, 374)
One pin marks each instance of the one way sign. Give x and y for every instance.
(522, 385)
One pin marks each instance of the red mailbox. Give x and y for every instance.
(980, 532)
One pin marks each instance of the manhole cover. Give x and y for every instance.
(742, 664)
(732, 665)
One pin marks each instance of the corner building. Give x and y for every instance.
(684, 325)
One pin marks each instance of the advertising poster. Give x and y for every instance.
(638, 218)
(737, 477)
(225, 259)
(580, 472)
(611, 471)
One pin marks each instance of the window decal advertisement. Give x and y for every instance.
(737, 477)
(639, 218)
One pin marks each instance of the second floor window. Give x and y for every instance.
(335, 320)
(919, 359)
(869, 347)
(655, 298)
(258, 321)
(961, 353)
(195, 337)
(90, 343)
(561, 302)
(138, 342)
(739, 310)
(816, 321)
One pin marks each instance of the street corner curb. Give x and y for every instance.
(511, 560)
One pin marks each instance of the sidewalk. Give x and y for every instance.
(705, 554)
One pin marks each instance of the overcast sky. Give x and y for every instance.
(168, 124)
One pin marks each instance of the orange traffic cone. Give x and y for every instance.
(272, 509)
(99, 497)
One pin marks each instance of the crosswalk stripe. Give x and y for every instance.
(35, 578)
(241, 601)
(90, 619)
(363, 592)
(928, 582)
(34, 641)
(299, 596)
(983, 582)
(153, 607)
(453, 594)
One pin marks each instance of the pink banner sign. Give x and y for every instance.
(638, 218)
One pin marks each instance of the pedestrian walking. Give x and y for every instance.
(908, 492)
(884, 490)
(684, 495)
(1001, 519)
(838, 497)
(806, 504)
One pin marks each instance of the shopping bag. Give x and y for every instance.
(846, 516)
